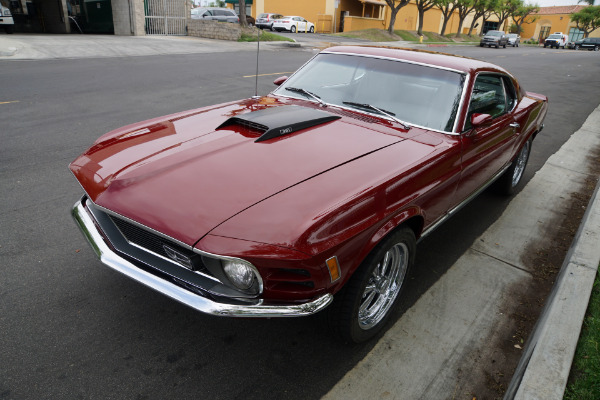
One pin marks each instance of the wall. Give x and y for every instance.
(359, 23)
(128, 17)
(308, 9)
(213, 29)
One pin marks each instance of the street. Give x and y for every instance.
(71, 328)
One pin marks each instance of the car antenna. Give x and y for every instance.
(257, 52)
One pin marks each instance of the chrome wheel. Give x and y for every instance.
(520, 164)
(383, 286)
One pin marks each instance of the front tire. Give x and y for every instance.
(272, 30)
(576, 47)
(361, 309)
(312, 29)
(293, 29)
(508, 183)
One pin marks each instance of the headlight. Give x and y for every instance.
(239, 273)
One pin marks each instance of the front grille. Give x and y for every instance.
(154, 243)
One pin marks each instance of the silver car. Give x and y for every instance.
(513, 39)
(265, 20)
(216, 14)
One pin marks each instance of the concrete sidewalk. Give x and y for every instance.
(46, 46)
(444, 328)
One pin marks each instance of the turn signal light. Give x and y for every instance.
(334, 268)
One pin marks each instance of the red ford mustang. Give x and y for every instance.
(270, 206)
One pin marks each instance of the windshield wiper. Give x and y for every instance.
(377, 109)
(307, 93)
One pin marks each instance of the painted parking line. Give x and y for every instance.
(8, 102)
(274, 73)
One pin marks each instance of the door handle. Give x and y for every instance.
(515, 125)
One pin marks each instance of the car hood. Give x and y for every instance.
(185, 174)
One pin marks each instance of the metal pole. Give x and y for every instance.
(257, 51)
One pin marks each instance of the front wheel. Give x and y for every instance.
(361, 309)
(576, 47)
(272, 29)
(293, 29)
(509, 181)
(596, 48)
(312, 29)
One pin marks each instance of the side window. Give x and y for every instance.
(488, 97)
(511, 93)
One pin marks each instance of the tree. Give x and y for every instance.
(447, 8)
(242, 4)
(506, 10)
(590, 2)
(394, 12)
(522, 13)
(482, 8)
(587, 20)
(422, 6)
(464, 7)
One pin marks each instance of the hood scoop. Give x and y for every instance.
(279, 121)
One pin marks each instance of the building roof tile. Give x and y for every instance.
(560, 10)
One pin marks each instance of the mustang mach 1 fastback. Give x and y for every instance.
(313, 196)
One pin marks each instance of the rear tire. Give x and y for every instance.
(293, 29)
(361, 309)
(508, 183)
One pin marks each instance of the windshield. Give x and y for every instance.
(494, 33)
(555, 37)
(415, 94)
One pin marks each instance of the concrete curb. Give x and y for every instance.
(544, 368)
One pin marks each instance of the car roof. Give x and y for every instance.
(448, 61)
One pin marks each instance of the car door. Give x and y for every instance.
(487, 148)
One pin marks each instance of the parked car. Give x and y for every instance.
(557, 39)
(494, 38)
(293, 24)
(216, 14)
(590, 44)
(574, 44)
(513, 39)
(250, 21)
(265, 20)
(6, 20)
(313, 196)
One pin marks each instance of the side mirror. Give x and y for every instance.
(478, 120)
(280, 80)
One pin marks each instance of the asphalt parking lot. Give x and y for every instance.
(72, 328)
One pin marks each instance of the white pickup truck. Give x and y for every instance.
(6, 19)
(557, 39)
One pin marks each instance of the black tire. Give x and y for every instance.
(480, 44)
(10, 29)
(497, 46)
(508, 183)
(293, 29)
(595, 48)
(504, 45)
(312, 29)
(576, 47)
(375, 288)
(544, 46)
(272, 30)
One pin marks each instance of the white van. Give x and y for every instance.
(6, 20)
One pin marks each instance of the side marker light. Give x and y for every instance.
(334, 268)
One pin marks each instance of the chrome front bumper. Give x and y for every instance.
(253, 308)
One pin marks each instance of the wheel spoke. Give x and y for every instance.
(366, 303)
